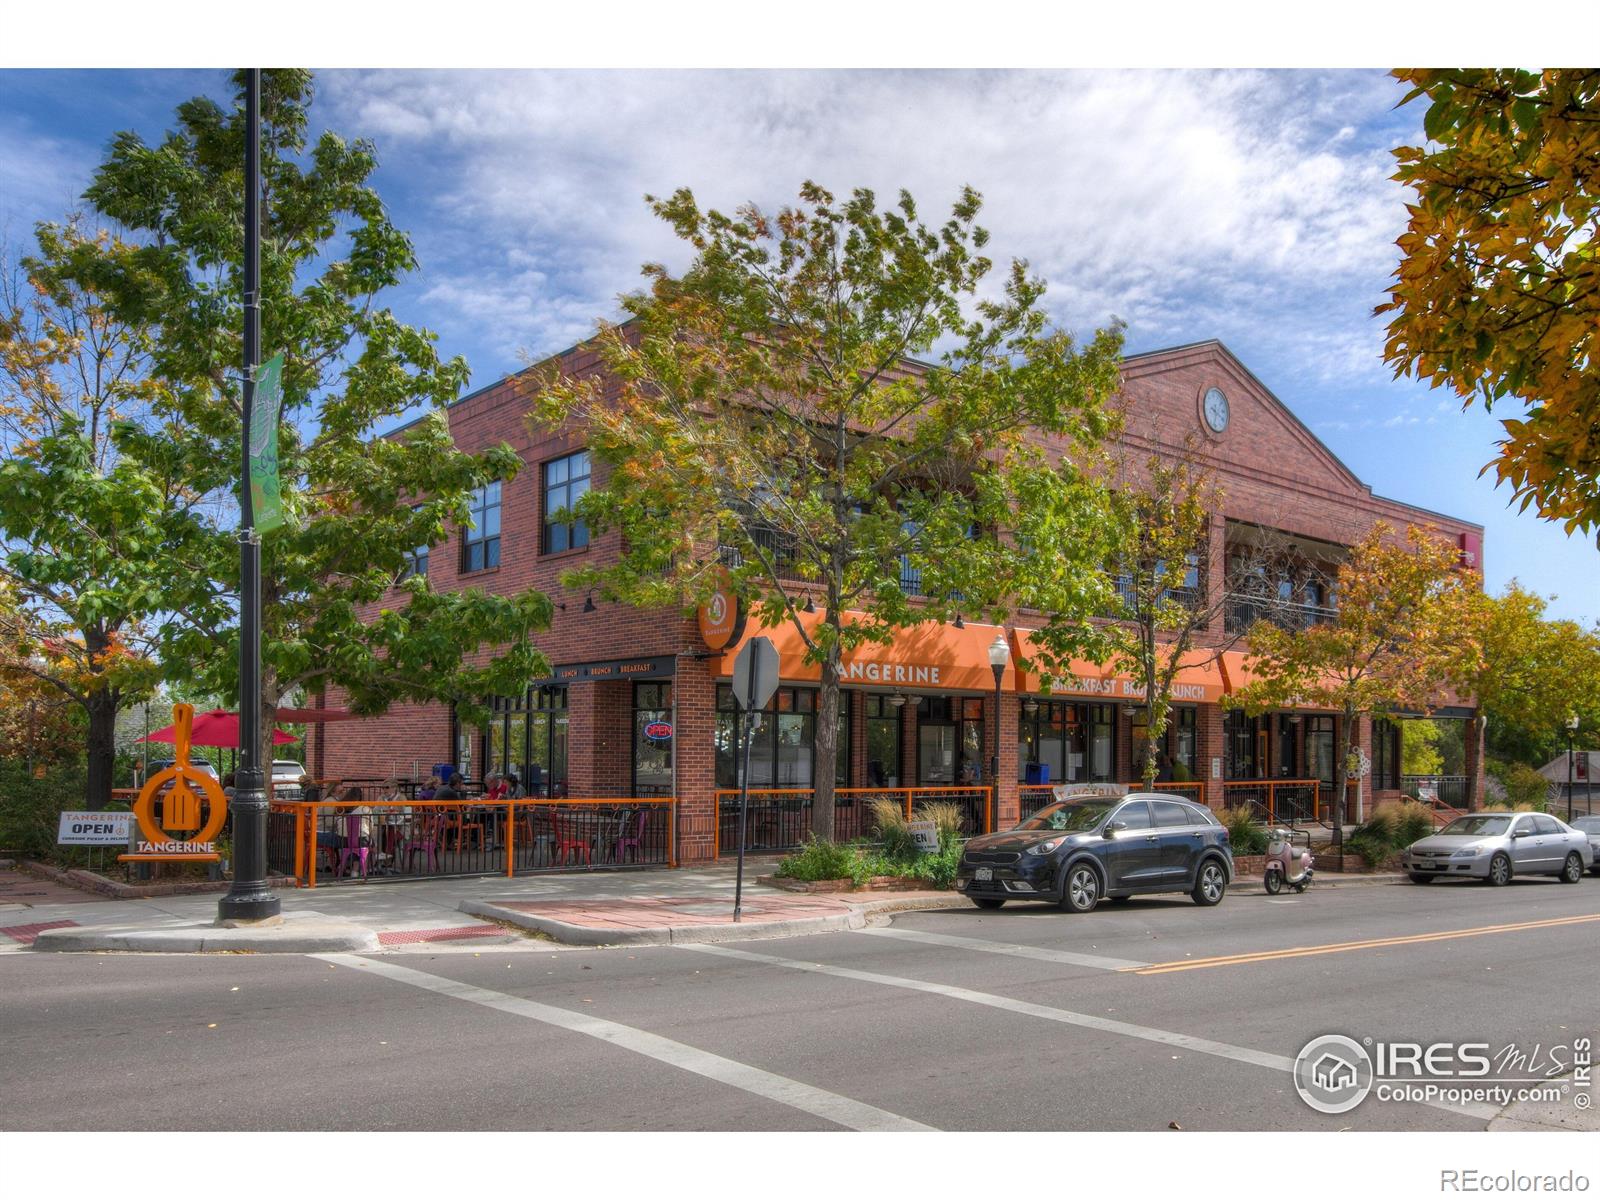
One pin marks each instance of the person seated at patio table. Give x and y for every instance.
(453, 789)
(513, 786)
(430, 790)
(496, 788)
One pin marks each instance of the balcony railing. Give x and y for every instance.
(1243, 611)
(777, 546)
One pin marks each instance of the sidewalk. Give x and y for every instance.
(582, 908)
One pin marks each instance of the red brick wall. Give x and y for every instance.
(1271, 469)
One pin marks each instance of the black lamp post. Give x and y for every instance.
(1572, 733)
(999, 655)
(249, 898)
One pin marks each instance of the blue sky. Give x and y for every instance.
(1252, 206)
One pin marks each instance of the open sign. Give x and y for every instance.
(659, 731)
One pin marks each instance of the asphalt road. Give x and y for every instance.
(1023, 1019)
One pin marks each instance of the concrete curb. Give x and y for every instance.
(663, 935)
(1251, 886)
(310, 936)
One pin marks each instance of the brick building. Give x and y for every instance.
(920, 712)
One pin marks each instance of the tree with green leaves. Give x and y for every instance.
(1168, 614)
(84, 529)
(1497, 295)
(1400, 637)
(357, 504)
(769, 418)
(1532, 675)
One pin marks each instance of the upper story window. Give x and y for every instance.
(417, 560)
(480, 540)
(566, 480)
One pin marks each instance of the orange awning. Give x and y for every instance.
(1199, 679)
(1237, 673)
(926, 657)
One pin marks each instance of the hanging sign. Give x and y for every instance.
(193, 807)
(721, 618)
(265, 497)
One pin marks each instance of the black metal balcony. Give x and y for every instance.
(1243, 611)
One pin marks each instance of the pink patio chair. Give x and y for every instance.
(427, 841)
(352, 845)
(635, 841)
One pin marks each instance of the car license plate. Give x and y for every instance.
(984, 874)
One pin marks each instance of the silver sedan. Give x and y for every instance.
(1497, 846)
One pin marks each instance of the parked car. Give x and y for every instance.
(1497, 846)
(286, 778)
(1590, 828)
(1076, 853)
(161, 764)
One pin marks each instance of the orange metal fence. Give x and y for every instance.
(1034, 796)
(437, 838)
(1272, 800)
(780, 818)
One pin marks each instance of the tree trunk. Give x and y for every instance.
(101, 742)
(1346, 741)
(827, 742)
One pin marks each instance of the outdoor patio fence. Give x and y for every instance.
(360, 840)
(780, 818)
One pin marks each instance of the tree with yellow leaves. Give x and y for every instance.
(1402, 634)
(1497, 295)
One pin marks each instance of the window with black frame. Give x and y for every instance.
(883, 742)
(1385, 754)
(1239, 745)
(652, 739)
(1185, 745)
(1286, 749)
(417, 560)
(480, 539)
(783, 740)
(1320, 738)
(566, 481)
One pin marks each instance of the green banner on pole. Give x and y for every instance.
(265, 497)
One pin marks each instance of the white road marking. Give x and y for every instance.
(841, 1110)
(1069, 957)
(1184, 1041)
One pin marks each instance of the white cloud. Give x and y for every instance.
(1180, 201)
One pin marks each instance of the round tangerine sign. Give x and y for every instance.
(180, 810)
(720, 618)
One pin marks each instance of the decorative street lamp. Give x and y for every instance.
(999, 655)
(1572, 733)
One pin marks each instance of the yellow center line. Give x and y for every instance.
(1231, 960)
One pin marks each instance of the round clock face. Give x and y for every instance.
(1215, 407)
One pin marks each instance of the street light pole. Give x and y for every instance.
(1572, 733)
(249, 898)
(999, 655)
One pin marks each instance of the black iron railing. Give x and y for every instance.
(779, 819)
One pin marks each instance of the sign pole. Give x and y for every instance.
(249, 898)
(747, 719)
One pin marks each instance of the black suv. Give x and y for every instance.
(1077, 852)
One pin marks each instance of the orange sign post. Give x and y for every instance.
(181, 835)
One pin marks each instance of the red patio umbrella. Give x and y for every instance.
(219, 727)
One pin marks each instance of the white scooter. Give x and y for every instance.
(1286, 863)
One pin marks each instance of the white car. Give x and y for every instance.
(286, 778)
(1495, 846)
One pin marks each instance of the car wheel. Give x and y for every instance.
(1416, 878)
(1211, 884)
(1273, 882)
(1081, 892)
(1499, 871)
(1572, 869)
(987, 901)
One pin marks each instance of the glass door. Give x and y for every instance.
(936, 754)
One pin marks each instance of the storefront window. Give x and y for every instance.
(783, 745)
(950, 741)
(1320, 749)
(1286, 750)
(1056, 735)
(652, 739)
(525, 736)
(883, 742)
(1102, 742)
(1385, 754)
(1239, 740)
(1185, 746)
